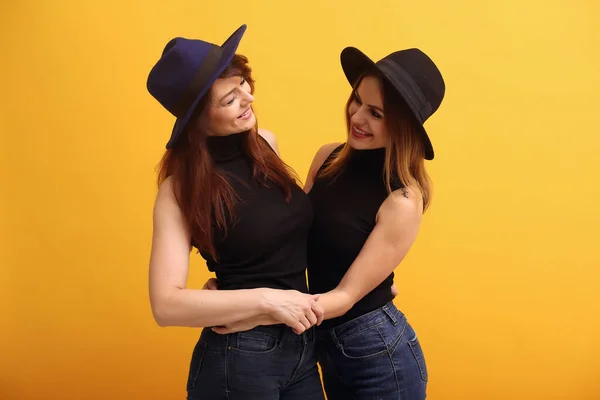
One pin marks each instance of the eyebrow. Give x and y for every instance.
(370, 105)
(232, 90)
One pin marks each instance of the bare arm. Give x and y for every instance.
(396, 228)
(266, 319)
(175, 305)
(243, 325)
(396, 217)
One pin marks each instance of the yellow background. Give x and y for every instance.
(502, 283)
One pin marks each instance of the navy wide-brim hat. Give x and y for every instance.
(412, 73)
(185, 72)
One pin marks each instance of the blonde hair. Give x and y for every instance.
(405, 150)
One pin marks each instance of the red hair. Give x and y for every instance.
(204, 194)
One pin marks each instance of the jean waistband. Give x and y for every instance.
(280, 333)
(387, 312)
(283, 332)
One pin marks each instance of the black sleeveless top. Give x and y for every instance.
(345, 208)
(266, 244)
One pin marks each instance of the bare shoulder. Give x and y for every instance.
(166, 202)
(320, 157)
(267, 134)
(165, 191)
(403, 203)
(168, 218)
(270, 138)
(322, 154)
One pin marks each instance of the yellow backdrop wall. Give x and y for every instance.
(501, 284)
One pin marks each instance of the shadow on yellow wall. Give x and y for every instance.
(501, 284)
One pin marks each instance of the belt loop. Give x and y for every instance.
(388, 312)
(282, 332)
(334, 338)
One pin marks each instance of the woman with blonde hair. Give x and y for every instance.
(369, 195)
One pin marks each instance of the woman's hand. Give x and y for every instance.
(266, 319)
(300, 311)
(210, 284)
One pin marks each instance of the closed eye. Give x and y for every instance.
(230, 102)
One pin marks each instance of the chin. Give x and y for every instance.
(247, 125)
(371, 143)
(360, 144)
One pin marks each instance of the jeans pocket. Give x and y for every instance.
(255, 363)
(364, 344)
(417, 352)
(196, 363)
(253, 343)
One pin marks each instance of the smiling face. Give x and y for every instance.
(366, 116)
(230, 108)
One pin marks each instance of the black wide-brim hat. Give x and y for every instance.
(412, 73)
(185, 72)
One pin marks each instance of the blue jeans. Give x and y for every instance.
(374, 356)
(266, 363)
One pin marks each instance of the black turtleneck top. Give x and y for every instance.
(266, 246)
(345, 208)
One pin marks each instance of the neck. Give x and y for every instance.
(225, 148)
(368, 160)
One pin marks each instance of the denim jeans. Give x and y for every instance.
(266, 363)
(376, 356)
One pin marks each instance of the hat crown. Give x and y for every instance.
(424, 75)
(411, 73)
(174, 73)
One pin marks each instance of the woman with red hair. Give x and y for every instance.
(224, 191)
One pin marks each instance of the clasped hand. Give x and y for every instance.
(299, 311)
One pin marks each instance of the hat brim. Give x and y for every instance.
(229, 48)
(355, 63)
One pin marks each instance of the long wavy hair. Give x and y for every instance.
(204, 194)
(405, 150)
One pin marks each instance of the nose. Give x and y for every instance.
(247, 98)
(358, 118)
